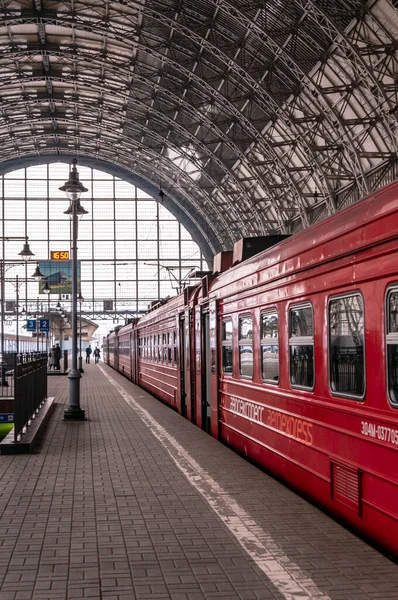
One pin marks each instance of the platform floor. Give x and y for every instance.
(137, 503)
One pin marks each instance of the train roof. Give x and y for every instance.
(364, 224)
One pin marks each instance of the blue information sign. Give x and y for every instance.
(44, 325)
(31, 325)
(7, 418)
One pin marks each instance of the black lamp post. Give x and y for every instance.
(26, 254)
(47, 290)
(73, 189)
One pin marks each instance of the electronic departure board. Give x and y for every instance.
(59, 254)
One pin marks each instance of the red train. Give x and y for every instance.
(291, 358)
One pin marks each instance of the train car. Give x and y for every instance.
(291, 358)
(113, 353)
(159, 369)
(306, 383)
(25, 343)
(105, 350)
(125, 351)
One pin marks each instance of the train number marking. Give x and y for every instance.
(378, 432)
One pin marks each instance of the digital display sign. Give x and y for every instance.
(60, 255)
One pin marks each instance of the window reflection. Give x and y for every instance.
(346, 346)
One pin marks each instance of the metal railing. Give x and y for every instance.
(24, 380)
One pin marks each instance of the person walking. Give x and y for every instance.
(97, 354)
(88, 353)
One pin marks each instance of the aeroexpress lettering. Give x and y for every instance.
(296, 428)
(247, 409)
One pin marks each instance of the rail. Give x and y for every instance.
(23, 379)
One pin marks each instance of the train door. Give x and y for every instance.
(189, 375)
(131, 355)
(206, 376)
(183, 365)
(134, 356)
(212, 372)
(116, 354)
(197, 367)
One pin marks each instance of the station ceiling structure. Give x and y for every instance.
(249, 116)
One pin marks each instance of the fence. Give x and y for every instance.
(24, 378)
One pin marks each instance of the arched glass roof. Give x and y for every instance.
(251, 116)
(132, 251)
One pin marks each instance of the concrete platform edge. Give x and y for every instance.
(31, 437)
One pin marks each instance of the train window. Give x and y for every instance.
(346, 346)
(175, 345)
(227, 346)
(269, 346)
(169, 353)
(392, 345)
(301, 346)
(246, 346)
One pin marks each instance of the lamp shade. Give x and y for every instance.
(73, 188)
(46, 288)
(37, 274)
(26, 253)
(79, 209)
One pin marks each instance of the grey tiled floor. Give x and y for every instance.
(119, 507)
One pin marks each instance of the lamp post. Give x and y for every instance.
(73, 189)
(80, 298)
(47, 290)
(26, 254)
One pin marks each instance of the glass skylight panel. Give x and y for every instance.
(112, 258)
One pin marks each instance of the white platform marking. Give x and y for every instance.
(285, 575)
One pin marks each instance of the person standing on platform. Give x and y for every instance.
(88, 353)
(58, 355)
(52, 361)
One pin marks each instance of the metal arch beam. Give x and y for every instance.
(227, 106)
(290, 137)
(183, 131)
(125, 143)
(232, 67)
(241, 81)
(120, 171)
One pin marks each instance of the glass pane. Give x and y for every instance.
(393, 312)
(270, 363)
(346, 327)
(269, 325)
(227, 330)
(301, 322)
(227, 359)
(245, 328)
(246, 361)
(302, 366)
(392, 363)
